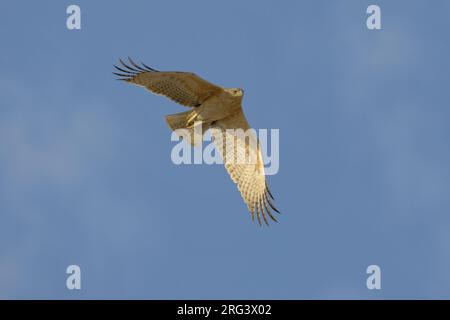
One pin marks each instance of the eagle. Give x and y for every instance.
(219, 110)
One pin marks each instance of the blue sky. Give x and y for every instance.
(86, 176)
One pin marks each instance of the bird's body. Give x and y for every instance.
(219, 110)
(219, 106)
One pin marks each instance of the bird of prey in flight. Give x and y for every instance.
(218, 109)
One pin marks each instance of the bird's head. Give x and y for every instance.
(236, 92)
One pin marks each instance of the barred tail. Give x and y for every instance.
(183, 120)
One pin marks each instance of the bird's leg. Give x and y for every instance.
(190, 120)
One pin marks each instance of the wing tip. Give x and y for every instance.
(130, 72)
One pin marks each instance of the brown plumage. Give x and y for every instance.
(218, 109)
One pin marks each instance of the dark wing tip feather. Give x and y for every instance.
(271, 205)
(133, 70)
(269, 194)
(131, 73)
(268, 191)
(136, 65)
(128, 67)
(265, 201)
(121, 75)
(149, 68)
(262, 211)
(258, 215)
(263, 205)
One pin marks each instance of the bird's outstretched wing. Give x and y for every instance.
(243, 160)
(185, 88)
